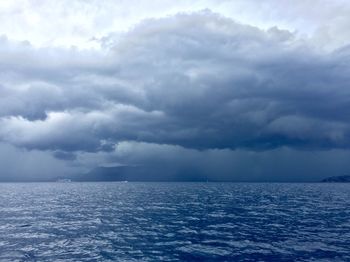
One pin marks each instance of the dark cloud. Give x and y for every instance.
(197, 80)
(23, 165)
(279, 165)
(64, 155)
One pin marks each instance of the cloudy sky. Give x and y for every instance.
(242, 90)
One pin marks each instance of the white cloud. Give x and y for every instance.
(77, 23)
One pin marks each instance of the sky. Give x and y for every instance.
(237, 90)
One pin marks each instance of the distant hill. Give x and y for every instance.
(337, 179)
(138, 174)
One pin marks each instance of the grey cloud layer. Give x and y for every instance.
(18, 165)
(280, 164)
(197, 80)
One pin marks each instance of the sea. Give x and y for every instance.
(118, 221)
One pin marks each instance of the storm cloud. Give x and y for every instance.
(195, 80)
(198, 81)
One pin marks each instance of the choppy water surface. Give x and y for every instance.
(174, 221)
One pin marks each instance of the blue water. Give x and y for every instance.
(174, 222)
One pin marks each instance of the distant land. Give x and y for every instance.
(151, 174)
(154, 174)
(337, 179)
(138, 174)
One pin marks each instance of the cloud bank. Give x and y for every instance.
(199, 81)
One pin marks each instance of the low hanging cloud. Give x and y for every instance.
(18, 164)
(199, 81)
(279, 164)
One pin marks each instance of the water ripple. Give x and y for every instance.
(174, 222)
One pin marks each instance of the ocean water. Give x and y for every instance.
(174, 222)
